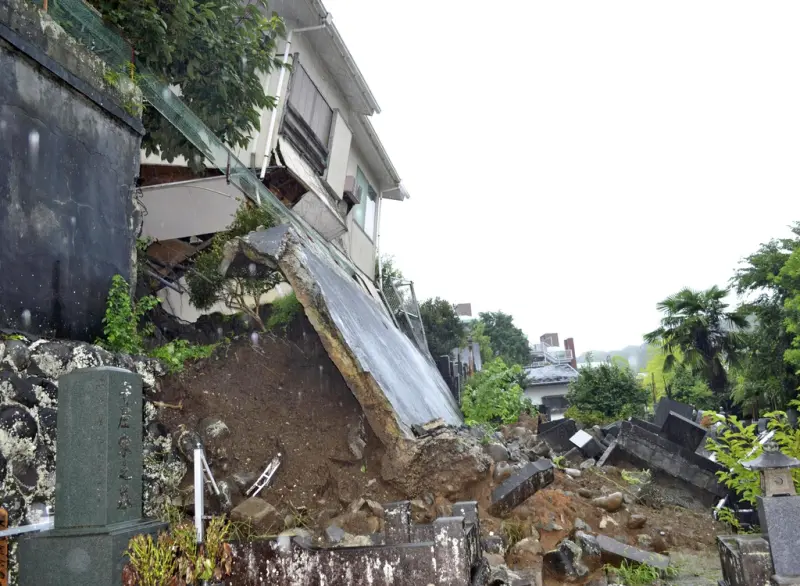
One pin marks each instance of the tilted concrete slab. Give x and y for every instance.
(396, 385)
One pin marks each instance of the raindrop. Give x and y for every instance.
(254, 338)
(165, 93)
(220, 333)
(26, 317)
(244, 62)
(73, 220)
(252, 269)
(197, 160)
(2, 124)
(33, 143)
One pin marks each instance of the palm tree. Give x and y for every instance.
(697, 326)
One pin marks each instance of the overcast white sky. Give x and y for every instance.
(573, 163)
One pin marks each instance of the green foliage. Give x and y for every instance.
(176, 557)
(122, 322)
(726, 515)
(509, 342)
(388, 271)
(697, 324)
(632, 574)
(213, 50)
(284, 310)
(738, 442)
(608, 391)
(514, 531)
(493, 395)
(444, 330)
(244, 287)
(175, 354)
(589, 418)
(637, 478)
(559, 462)
(153, 561)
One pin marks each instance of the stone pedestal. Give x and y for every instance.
(98, 483)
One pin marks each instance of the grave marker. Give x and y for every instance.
(98, 483)
(665, 405)
(684, 432)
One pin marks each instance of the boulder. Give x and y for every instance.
(494, 559)
(565, 561)
(502, 471)
(581, 525)
(610, 503)
(212, 430)
(187, 440)
(17, 355)
(18, 422)
(574, 472)
(636, 521)
(497, 452)
(525, 553)
(586, 464)
(22, 390)
(257, 513)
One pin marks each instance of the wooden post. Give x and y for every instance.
(4, 544)
(44, 5)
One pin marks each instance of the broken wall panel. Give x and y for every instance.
(395, 383)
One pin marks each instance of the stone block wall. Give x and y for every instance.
(69, 156)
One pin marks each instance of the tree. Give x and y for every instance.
(679, 383)
(697, 325)
(477, 332)
(387, 273)
(508, 341)
(768, 379)
(213, 50)
(494, 395)
(244, 286)
(444, 330)
(606, 391)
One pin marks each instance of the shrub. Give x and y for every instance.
(607, 391)
(243, 287)
(284, 310)
(175, 354)
(493, 396)
(121, 324)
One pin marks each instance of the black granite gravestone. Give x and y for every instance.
(557, 436)
(665, 405)
(780, 517)
(521, 485)
(682, 431)
(98, 505)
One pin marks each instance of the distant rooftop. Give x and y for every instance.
(551, 374)
(464, 309)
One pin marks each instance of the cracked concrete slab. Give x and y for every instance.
(396, 385)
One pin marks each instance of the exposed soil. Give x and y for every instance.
(282, 394)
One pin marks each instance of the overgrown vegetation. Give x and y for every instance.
(508, 341)
(123, 329)
(284, 310)
(176, 557)
(632, 574)
(244, 287)
(444, 330)
(605, 392)
(175, 354)
(179, 41)
(736, 443)
(494, 396)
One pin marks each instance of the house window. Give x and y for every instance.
(364, 212)
(307, 120)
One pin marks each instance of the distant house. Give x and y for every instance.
(551, 370)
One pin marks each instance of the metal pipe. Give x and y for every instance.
(198, 493)
(274, 116)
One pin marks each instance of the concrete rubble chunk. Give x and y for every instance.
(520, 486)
(610, 503)
(589, 446)
(558, 436)
(613, 552)
(395, 383)
(257, 513)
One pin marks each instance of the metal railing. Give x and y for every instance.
(402, 302)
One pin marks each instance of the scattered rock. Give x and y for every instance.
(376, 508)
(22, 391)
(187, 440)
(494, 544)
(228, 494)
(525, 553)
(581, 525)
(606, 521)
(356, 439)
(257, 513)
(610, 503)
(644, 541)
(3, 466)
(49, 421)
(26, 475)
(334, 534)
(212, 430)
(574, 472)
(586, 493)
(17, 355)
(497, 452)
(586, 464)
(551, 526)
(502, 471)
(494, 559)
(659, 543)
(156, 429)
(540, 449)
(300, 535)
(636, 521)
(502, 576)
(355, 541)
(244, 479)
(565, 561)
(18, 422)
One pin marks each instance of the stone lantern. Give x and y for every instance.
(775, 469)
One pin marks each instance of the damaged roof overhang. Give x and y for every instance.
(396, 385)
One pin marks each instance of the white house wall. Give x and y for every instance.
(360, 247)
(537, 393)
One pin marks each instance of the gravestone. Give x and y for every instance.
(587, 444)
(557, 436)
(547, 425)
(98, 483)
(683, 431)
(521, 485)
(665, 405)
(780, 516)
